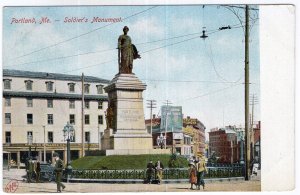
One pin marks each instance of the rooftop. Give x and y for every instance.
(55, 76)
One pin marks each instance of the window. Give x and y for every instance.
(87, 119)
(29, 119)
(72, 119)
(49, 86)
(7, 83)
(100, 105)
(87, 137)
(29, 134)
(50, 119)
(100, 119)
(28, 85)
(71, 87)
(50, 103)
(72, 104)
(7, 102)
(8, 137)
(50, 137)
(86, 88)
(7, 118)
(100, 89)
(29, 102)
(87, 104)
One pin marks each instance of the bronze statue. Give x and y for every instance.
(127, 52)
(109, 117)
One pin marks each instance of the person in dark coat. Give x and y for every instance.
(150, 171)
(59, 166)
(38, 171)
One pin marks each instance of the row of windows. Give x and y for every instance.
(49, 136)
(29, 102)
(49, 86)
(50, 119)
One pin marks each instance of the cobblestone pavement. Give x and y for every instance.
(21, 186)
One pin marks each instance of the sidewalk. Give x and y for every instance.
(23, 187)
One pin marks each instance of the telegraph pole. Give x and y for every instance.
(254, 101)
(167, 112)
(151, 105)
(247, 140)
(82, 115)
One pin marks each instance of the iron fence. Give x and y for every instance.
(177, 173)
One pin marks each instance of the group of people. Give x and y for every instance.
(197, 169)
(154, 170)
(33, 167)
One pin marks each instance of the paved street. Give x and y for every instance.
(23, 187)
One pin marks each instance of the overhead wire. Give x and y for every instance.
(83, 34)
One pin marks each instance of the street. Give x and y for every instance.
(21, 186)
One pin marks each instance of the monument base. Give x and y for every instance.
(137, 151)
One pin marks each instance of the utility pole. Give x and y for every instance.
(247, 140)
(254, 101)
(167, 112)
(44, 143)
(151, 105)
(82, 115)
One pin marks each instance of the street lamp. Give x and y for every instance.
(161, 141)
(29, 142)
(68, 132)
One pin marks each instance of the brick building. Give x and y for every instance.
(223, 143)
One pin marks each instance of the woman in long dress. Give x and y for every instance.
(193, 175)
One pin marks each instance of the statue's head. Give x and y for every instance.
(125, 29)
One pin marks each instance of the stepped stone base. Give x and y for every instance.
(128, 134)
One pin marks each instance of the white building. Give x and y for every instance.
(38, 102)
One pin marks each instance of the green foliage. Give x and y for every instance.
(126, 162)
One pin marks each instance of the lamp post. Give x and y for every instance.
(44, 143)
(68, 133)
(29, 142)
(161, 141)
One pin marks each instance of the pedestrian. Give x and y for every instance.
(149, 171)
(159, 170)
(192, 175)
(58, 172)
(201, 170)
(29, 169)
(38, 171)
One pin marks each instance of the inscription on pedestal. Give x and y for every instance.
(130, 115)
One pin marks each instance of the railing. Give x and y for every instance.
(178, 173)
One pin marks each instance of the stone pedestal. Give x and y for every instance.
(128, 134)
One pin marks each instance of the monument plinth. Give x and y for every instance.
(126, 132)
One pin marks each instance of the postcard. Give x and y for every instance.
(147, 97)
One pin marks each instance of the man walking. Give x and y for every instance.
(58, 172)
(201, 169)
(29, 169)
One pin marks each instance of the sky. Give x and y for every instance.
(204, 76)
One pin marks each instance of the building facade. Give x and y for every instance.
(36, 106)
(188, 141)
(224, 145)
(196, 130)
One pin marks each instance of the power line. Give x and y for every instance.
(111, 49)
(86, 33)
(141, 52)
(209, 93)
